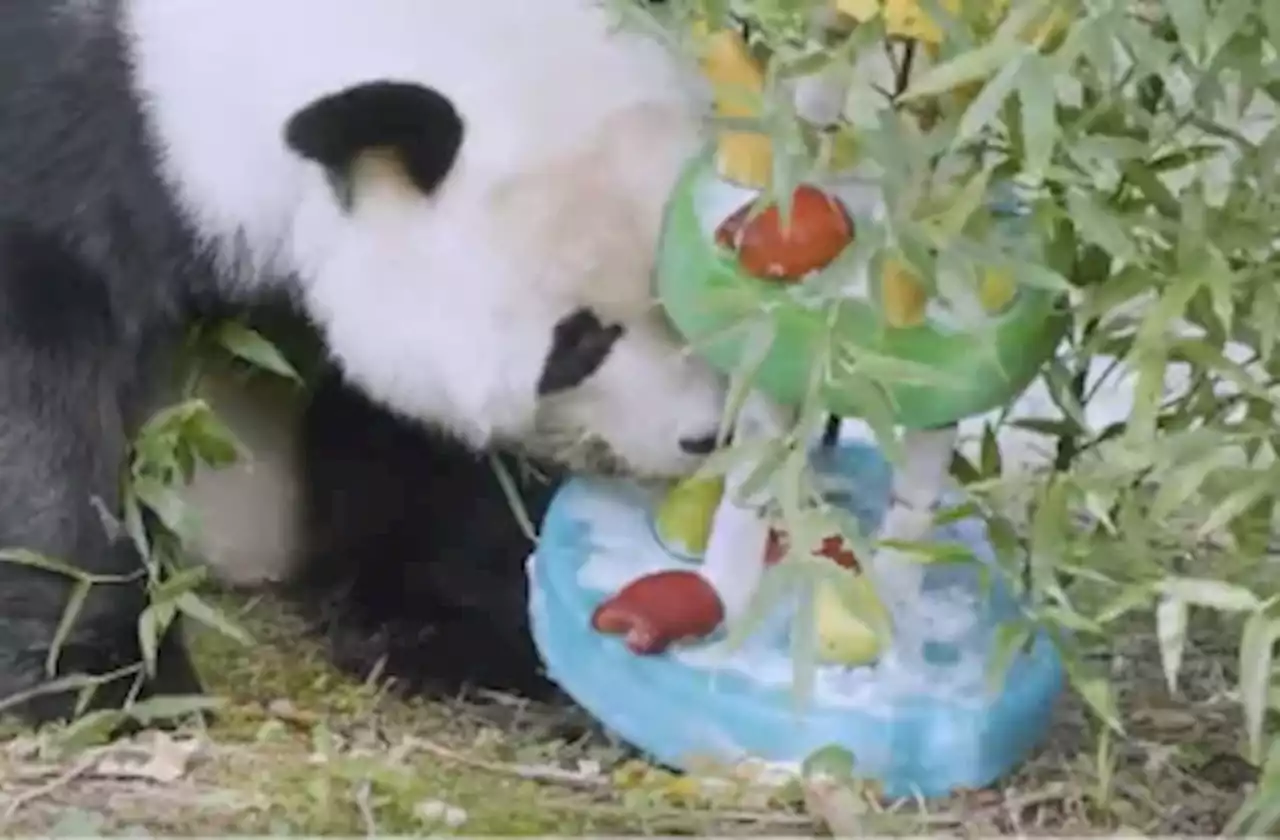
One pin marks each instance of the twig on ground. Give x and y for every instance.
(1014, 806)
(364, 804)
(657, 814)
(836, 807)
(80, 768)
(600, 784)
(533, 773)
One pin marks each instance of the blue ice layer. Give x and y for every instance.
(924, 720)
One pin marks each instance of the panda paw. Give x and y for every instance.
(451, 657)
(27, 693)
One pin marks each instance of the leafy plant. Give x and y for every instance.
(1143, 138)
(167, 451)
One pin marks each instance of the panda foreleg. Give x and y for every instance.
(413, 562)
(65, 384)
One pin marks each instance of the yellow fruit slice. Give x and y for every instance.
(902, 296)
(744, 157)
(902, 18)
(682, 521)
(996, 290)
(845, 638)
(906, 19)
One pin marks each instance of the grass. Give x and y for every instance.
(300, 749)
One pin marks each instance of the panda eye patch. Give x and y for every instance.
(580, 343)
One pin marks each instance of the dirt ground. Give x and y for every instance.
(299, 749)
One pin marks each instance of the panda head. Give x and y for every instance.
(477, 231)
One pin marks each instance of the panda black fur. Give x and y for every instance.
(412, 559)
(463, 198)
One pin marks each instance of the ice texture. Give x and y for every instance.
(942, 639)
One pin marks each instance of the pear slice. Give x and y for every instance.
(852, 621)
(996, 290)
(682, 522)
(902, 296)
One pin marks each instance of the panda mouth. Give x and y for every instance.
(582, 455)
(593, 456)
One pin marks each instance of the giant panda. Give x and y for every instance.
(461, 199)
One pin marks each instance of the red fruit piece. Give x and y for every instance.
(832, 547)
(657, 610)
(775, 548)
(820, 228)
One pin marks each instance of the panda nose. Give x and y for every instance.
(704, 445)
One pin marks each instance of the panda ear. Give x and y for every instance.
(416, 123)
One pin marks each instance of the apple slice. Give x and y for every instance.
(820, 228)
(833, 547)
(658, 610)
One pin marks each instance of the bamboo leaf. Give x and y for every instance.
(249, 345)
(978, 63)
(1190, 18)
(1101, 227)
(192, 605)
(1171, 632)
(1037, 97)
(1096, 691)
(1257, 659)
(1236, 503)
(982, 111)
(66, 624)
(1206, 592)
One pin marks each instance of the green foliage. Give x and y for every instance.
(1145, 144)
(167, 451)
(1135, 142)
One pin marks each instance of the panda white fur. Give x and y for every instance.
(463, 198)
